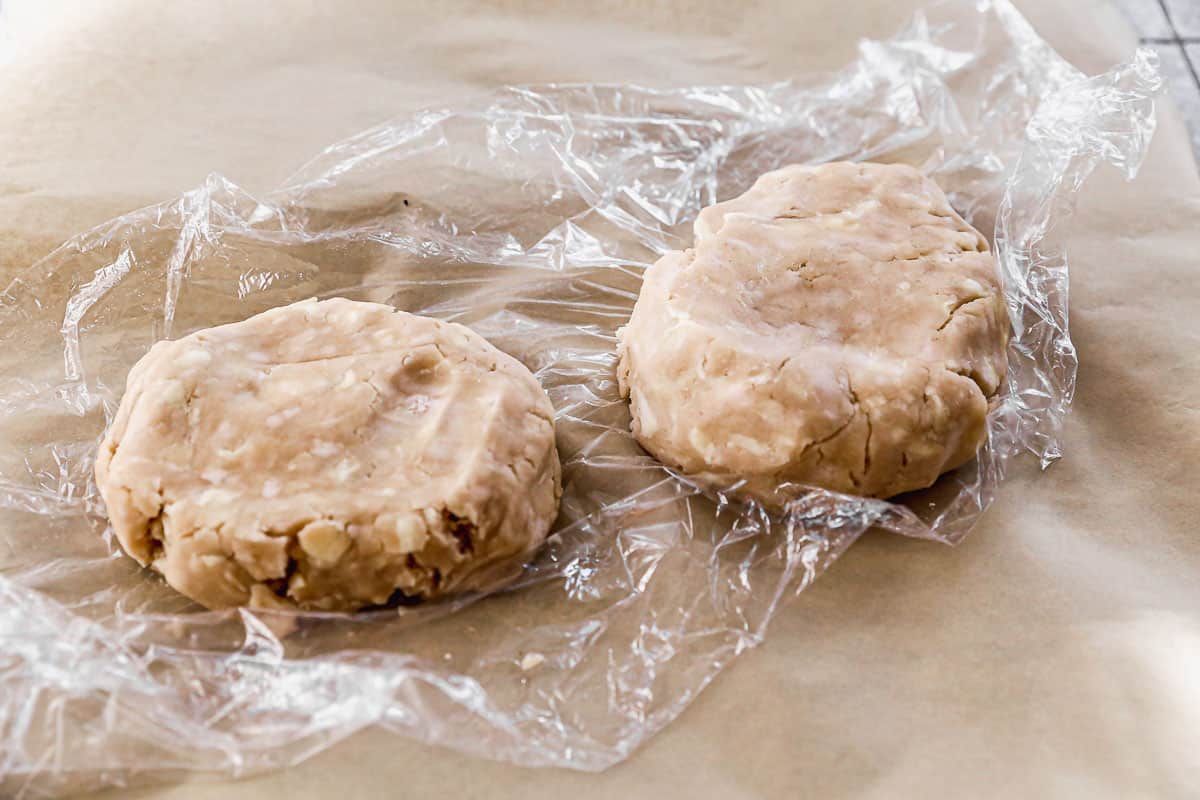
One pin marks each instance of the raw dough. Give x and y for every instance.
(328, 455)
(836, 326)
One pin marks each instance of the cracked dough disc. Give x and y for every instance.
(836, 326)
(327, 455)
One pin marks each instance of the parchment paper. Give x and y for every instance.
(1053, 653)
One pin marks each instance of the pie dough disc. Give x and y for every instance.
(329, 455)
(837, 326)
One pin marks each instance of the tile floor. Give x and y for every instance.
(1172, 27)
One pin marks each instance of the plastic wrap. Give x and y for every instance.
(530, 218)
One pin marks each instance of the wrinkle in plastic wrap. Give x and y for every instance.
(529, 218)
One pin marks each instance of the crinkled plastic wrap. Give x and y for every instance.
(530, 218)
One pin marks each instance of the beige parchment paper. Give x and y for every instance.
(984, 676)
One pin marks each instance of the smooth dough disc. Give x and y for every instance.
(836, 326)
(328, 455)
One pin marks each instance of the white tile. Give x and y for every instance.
(1185, 14)
(1147, 18)
(1182, 86)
